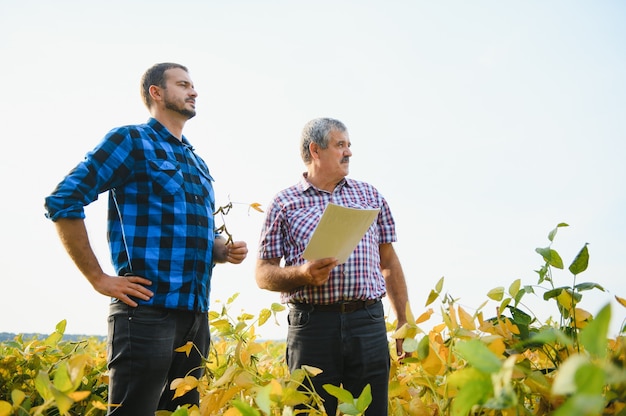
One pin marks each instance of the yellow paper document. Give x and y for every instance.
(339, 231)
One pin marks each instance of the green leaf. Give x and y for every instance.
(439, 285)
(277, 307)
(551, 257)
(588, 286)
(496, 293)
(565, 380)
(552, 233)
(423, 348)
(245, 409)
(262, 398)
(555, 293)
(547, 336)
(590, 379)
(43, 385)
(431, 297)
(581, 405)
(478, 356)
(519, 316)
(581, 261)
(505, 303)
(593, 337)
(348, 409)
(409, 344)
(341, 394)
(60, 328)
(365, 399)
(514, 288)
(62, 380)
(181, 411)
(475, 392)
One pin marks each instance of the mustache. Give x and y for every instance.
(345, 159)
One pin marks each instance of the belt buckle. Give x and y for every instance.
(349, 306)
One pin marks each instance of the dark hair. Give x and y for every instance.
(155, 75)
(318, 131)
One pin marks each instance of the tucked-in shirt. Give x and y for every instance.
(160, 217)
(290, 221)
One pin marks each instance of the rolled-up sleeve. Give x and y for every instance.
(102, 169)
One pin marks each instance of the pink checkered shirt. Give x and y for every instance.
(290, 220)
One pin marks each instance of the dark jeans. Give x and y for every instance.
(142, 361)
(351, 349)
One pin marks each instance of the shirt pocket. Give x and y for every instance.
(207, 187)
(165, 176)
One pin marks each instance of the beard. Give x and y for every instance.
(180, 109)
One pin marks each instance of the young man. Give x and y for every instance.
(336, 318)
(162, 244)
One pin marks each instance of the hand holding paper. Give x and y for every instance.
(339, 231)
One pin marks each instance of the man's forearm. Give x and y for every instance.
(271, 276)
(73, 235)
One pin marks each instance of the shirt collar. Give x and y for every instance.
(305, 185)
(165, 134)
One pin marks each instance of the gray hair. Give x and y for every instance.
(318, 131)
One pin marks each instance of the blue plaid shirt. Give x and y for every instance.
(289, 224)
(164, 195)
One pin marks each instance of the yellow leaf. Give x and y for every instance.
(406, 331)
(439, 328)
(17, 396)
(232, 412)
(275, 389)
(497, 346)
(244, 379)
(453, 320)
(62, 401)
(99, 405)
(185, 348)
(5, 408)
(264, 315)
(256, 206)
(313, 371)
(79, 395)
(183, 385)
(582, 315)
(409, 313)
(432, 364)
(621, 301)
(467, 320)
(227, 377)
(565, 300)
(424, 317)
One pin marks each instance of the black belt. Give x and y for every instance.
(341, 307)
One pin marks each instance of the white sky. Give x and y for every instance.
(483, 123)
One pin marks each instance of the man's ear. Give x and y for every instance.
(313, 149)
(155, 93)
